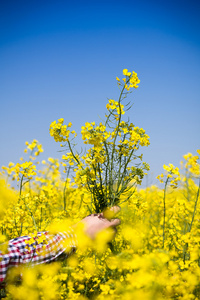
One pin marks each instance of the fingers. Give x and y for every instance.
(115, 209)
(101, 215)
(110, 213)
(115, 222)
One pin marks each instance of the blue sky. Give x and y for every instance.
(61, 58)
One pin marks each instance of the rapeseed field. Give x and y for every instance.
(154, 255)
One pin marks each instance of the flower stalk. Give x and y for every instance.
(108, 168)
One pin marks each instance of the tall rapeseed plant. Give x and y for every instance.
(110, 167)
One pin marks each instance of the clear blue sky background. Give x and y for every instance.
(60, 59)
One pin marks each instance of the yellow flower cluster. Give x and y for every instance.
(191, 163)
(38, 283)
(26, 169)
(131, 80)
(115, 105)
(140, 135)
(173, 175)
(94, 135)
(131, 138)
(60, 132)
(35, 147)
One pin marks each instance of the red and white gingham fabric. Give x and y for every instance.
(53, 249)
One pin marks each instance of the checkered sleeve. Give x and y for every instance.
(43, 248)
(4, 263)
(10, 259)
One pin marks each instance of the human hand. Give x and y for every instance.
(97, 222)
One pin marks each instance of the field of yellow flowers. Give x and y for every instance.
(155, 254)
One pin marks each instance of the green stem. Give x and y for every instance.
(21, 185)
(31, 215)
(190, 227)
(71, 150)
(125, 166)
(114, 145)
(120, 166)
(117, 131)
(195, 207)
(64, 190)
(164, 211)
(106, 168)
(100, 177)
